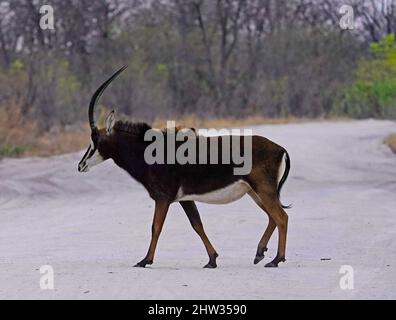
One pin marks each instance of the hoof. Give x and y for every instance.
(142, 264)
(259, 254)
(257, 259)
(274, 263)
(271, 265)
(210, 266)
(139, 265)
(212, 262)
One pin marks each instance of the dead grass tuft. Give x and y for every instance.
(16, 132)
(21, 137)
(391, 142)
(60, 142)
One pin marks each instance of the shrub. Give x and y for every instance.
(373, 93)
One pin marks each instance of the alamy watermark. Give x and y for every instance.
(47, 20)
(347, 280)
(347, 21)
(47, 277)
(188, 146)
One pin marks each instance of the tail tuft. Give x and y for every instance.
(284, 177)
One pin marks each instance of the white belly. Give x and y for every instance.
(224, 195)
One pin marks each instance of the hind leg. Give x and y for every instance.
(282, 231)
(281, 219)
(273, 207)
(262, 246)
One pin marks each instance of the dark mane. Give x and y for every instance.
(179, 128)
(140, 128)
(134, 128)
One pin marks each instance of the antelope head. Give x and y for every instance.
(99, 148)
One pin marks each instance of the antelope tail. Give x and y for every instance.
(284, 177)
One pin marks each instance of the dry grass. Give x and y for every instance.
(48, 144)
(60, 143)
(391, 142)
(16, 133)
(20, 137)
(196, 122)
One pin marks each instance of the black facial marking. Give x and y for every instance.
(86, 153)
(95, 138)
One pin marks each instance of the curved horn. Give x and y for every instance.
(97, 95)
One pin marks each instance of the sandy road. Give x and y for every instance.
(92, 228)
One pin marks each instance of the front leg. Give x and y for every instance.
(193, 215)
(161, 209)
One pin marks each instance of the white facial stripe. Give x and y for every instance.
(94, 160)
(88, 153)
(85, 157)
(90, 158)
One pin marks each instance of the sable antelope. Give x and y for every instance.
(211, 183)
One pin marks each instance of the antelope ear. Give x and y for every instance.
(110, 121)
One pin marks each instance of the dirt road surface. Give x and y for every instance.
(92, 228)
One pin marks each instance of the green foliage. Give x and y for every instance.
(11, 151)
(301, 71)
(162, 70)
(17, 65)
(57, 88)
(67, 87)
(373, 93)
(13, 83)
(175, 67)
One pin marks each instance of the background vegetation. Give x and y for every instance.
(193, 59)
